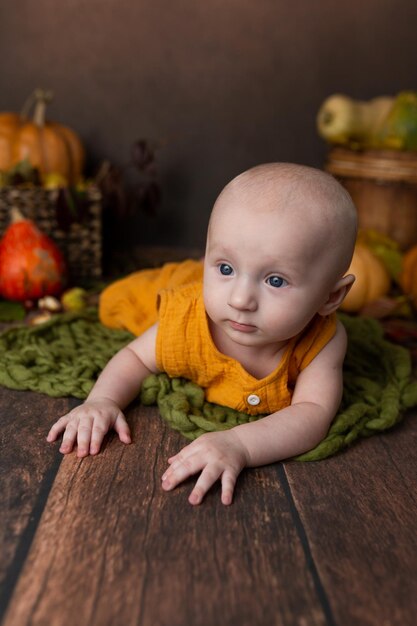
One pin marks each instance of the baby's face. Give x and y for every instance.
(266, 273)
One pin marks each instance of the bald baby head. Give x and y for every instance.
(313, 199)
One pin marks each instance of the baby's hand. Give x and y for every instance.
(219, 456)
(87, 425)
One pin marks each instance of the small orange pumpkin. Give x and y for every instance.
(31, 265)
(49, 146)
(372, 280)
(408, 276)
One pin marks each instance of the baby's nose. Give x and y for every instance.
(243, 297)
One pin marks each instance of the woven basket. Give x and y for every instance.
(383, 186)
(80, 242)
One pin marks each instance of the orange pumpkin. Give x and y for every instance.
(372, 280)
(48, 146)
(31, 265)
(408, 276)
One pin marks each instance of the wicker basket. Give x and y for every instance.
(383, 186)
(80, 242)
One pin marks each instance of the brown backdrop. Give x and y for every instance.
(223, 84)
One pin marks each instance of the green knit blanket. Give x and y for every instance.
(64, 356)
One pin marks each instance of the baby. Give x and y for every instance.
(259, 333)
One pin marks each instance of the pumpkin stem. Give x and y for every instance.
(40, 98)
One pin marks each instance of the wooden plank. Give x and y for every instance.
(360, 510)
(28, 466)
(113, 548)
(400, 445)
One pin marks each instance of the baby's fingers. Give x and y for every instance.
(58, 428)
(180, 469)
(122, 428)
(207, 478)
(100, 428)
(85, 427)
(228, 487)
(69, 438)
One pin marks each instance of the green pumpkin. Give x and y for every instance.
(399, 131)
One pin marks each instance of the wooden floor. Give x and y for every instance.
(96, 541)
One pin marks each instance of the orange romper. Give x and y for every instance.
(131, 302)
(184, 347)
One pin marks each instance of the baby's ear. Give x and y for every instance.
(337, 295)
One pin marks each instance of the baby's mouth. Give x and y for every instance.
(243, 328)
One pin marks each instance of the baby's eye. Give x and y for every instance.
(276, 281)
(225, 269)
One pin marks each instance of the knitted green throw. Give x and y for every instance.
(64, 356)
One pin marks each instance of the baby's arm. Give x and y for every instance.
(116, 387)
(286, 433)
(302, 425)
